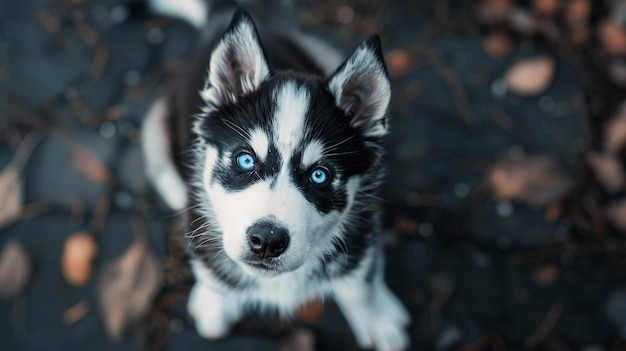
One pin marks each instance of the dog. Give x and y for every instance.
(275, 161)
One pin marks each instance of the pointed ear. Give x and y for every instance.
(362, 89)
(238, 64)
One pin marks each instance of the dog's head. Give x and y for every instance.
(282, 160)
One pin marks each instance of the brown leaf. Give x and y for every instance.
(546, 274)
(90, 165)
(612, 38)
(15, 269)
(48, 21)
(301, 340)
(494, 11)
(577, 12)
(615, 132)
(617, 72)
(616, 213)
(11, 198)
(76, 313)
(545, 7)
(579, 36)
(535, 180)
(78, 253)
(398, 62)
(523, 21)
(127, 287)
(608, 170)
(530, 76)
(553, 212)
(311, 311)
(406, 225)
(497, 44)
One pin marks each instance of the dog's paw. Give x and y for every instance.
(382, 325)
(209, 309)
(377, 322)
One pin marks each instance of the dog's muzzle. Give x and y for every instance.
(267, 240)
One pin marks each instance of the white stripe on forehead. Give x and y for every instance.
(292, 103)
(312, 153)
(259, 143)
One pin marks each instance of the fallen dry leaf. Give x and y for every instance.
(301, 340)
(406, 225)
(398, 62)
(15, 269)
(615, 132)
(494, 11)
(535, 180)
(78, 253)
(11, 198)
(523, 21)
(617, 72)
(608, 170)
(497, 44)
(577, 12)
(311, 311)
(530, 76)
(90, 165)
(127, 287)
(546, 274)
(616, 213)
(612, 38)
(553, 212)
(545, 7)
(579, 36)
(76, 313)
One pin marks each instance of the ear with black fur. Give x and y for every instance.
(362, 89)
(238, 64)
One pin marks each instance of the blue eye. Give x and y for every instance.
(245, 161)
(319, 176)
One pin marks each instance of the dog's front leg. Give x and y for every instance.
(213, 311)
(375, 314)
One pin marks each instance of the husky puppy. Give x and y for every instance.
(278, 164)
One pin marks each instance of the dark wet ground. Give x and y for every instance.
(478, 271)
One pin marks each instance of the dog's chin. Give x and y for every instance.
(264, 269)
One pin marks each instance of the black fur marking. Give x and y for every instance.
(347, 255)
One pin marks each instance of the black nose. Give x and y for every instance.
(267, 240)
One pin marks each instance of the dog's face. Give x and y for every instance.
(281, 158)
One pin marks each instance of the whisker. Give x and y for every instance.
(332, 147)
(243, 133)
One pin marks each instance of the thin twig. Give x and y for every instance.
(545, 327)
(461, 100)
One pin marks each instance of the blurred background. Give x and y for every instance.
(505, 206)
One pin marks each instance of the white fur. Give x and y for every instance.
(293, 103)
(312, 153)
(376, 316)
(213, 311)
(260, 144)
(193, 11)
(159, 166)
